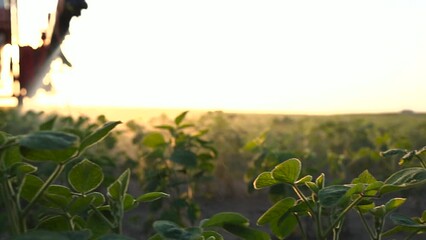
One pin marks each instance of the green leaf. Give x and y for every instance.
(283, 228)
(151, 196)
(379, 211)
(222, 218)
(118, 188)
(332, 195)
(168, 229)
(312, 186)
(394, 203)
(29, 187)
(55, 223)
(265, 179)
(320, 181)
(85, 176)
(48, 125)
(245, 232)
(97, 224)
(365, 177)
(276, 211)
(20, 169)
(404, 179)
(406, 221)
(98, 135)
(153, 140)
(287, 171)
(82, 203)
(59, 195)
(180, 118)
(129, 202)
(49, 146)
(184, 157)
(11, 156)
(304, 180)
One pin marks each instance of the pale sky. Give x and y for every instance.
(269, 56)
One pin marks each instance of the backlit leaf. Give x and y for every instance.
(287, 171)
(85, 176)
(49, 146)
(98, 135)
(265, 179)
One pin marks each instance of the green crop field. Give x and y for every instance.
(212, 175)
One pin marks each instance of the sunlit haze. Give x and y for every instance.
(315, 57)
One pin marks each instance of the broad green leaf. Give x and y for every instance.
(304, 180)
(153, 140)
(55, 223)
(82, 203)
(331, 196)
(276, 211)
(287, 171)
(98, 135)
(48, 125)
(151, 196)
(129, 202)
(364, 208)
(246, 232)
(184, 157)
(404, 179)
(407, 222)
(282, 228)
(49, 146)
(394, 203)
(365, 177)
(20, 169)
(180, 118)
(168, 229)
(29, 187)
(85, 176)
(11, 156)
(58, 195)
(222, 218)
(97, 224)
(265, 179)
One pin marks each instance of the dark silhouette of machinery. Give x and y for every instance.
(30, 39)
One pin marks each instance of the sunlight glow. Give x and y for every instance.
(274, 56)
(33, 23)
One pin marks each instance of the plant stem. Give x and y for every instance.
(11, 209)
(341, 215)
(364, 222)
(303, 197)
(102, 216)
(58, 170)
(421, 161)
(315, 214)
(302, 230)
